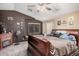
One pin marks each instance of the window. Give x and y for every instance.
(33, 28)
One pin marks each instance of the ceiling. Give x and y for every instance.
(42, 14)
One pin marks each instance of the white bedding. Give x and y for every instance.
(59, 46)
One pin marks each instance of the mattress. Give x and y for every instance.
(15, 50)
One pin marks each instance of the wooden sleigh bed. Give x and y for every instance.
(38, 47)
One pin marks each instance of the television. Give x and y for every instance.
(6, 43)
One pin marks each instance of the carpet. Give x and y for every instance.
(15, 50)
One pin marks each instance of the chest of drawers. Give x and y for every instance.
(5, 40)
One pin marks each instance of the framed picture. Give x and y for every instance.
(71, 20)
(64, 22)
(58, 22)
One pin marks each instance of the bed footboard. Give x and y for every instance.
(38, 47)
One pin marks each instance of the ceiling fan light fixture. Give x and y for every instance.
(41, 8)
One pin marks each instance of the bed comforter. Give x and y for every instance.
(59, 47)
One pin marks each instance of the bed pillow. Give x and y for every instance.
(62, 32)
(68, 37)
(64, 36)
(72, 38)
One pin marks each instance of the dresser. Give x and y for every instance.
(5, 40)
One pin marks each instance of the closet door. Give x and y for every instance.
(49, 27)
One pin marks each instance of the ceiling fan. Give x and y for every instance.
(41, 6)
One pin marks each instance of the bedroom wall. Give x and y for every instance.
(11, 25)
(71, 17)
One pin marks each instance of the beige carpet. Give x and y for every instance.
(15, 50)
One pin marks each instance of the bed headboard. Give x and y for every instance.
(74, 32)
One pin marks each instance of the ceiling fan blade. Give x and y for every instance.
(31, 6)
(30, 10)
(48, 3)
(41, 4)
(48, 8)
